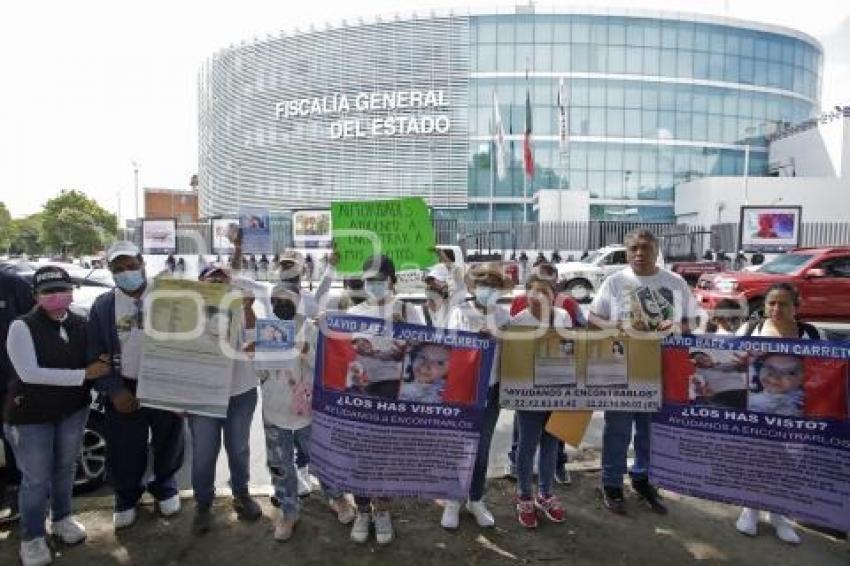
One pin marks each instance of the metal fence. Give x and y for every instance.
(677, 240)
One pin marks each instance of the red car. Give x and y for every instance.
(822, 276)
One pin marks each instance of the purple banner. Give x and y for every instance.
(397, 408)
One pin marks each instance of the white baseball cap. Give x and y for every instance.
(122, 248)
(439, 273)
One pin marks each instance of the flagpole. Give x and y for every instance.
(492, 168)
(524, 171)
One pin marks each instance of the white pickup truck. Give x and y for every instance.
(582, 278)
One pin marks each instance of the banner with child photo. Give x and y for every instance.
(762, 423)
(397, 407)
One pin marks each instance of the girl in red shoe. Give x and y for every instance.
(540, 313)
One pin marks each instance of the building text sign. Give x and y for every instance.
(430, 120)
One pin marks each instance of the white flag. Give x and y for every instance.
(499, 139)
(563, 118)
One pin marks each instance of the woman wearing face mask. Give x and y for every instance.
(287, 416)
(207, 432)
(45, 411)
(379, 285)
(780, 309)
(487, 284)
(437, 306)
(540, 313)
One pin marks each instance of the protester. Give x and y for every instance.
(486, 283)
(379, 279)
(438, 302)
(540, 312)
(16, 299)
(640, 298)
(564, 301)
(170, 264)
(287, 415)
(116, 328)
(556, 257)
(726, 317)
(45, 411)
(780, 309)
(180, 269)
(539, 259)
(523, 267)
(207, 432)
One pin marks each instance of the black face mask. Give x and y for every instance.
(284, 310)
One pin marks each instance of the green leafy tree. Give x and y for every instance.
(26, 235)
(76, 224)
(5, 227)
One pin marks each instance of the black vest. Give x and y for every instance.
(28, 403)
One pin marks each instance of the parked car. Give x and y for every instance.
(822, 275)
(582, 278)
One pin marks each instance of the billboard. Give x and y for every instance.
(159, 236)
(311, 228)
(770, 228)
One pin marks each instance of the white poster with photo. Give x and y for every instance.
(159, 236)
(772, 229)
(223, 229)
(311, 228)
(607, 363)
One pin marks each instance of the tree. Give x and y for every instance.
(26, 235)
(5, 227)
(76, 224)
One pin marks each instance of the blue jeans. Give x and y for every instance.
(562, 456)
(280, 443)
(47, 457)
(206, 444)
(482, 459)
(616, 438)
(532, 431)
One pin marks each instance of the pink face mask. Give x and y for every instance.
(55, 301)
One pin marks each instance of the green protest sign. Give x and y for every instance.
(398, 228)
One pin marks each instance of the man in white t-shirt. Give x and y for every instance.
(648, 299)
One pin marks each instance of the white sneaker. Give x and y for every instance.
(747, 523)
(305, 486)
(170, 506)
(69, 530)
(360, 528)
(482, 515)
(35, 552)
(451, 515)
(383, 527)
(784, 530)
(123, 519)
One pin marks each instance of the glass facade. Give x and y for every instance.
(652, 102)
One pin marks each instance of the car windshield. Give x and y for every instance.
(592, 257)
(785, 264)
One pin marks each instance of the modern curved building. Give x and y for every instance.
(405, 106)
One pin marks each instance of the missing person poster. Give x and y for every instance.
(224, 232)
(191, 331)
(256, 231)
(398, 228)
(761, 423)
(397, 408)
(311, 228)
(159, 236)
(770, 228)
(577, 370)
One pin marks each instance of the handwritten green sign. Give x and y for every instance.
(398, 228)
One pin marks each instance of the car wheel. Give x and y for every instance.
(580, 289)
(91, 462)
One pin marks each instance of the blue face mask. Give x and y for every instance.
(129, 281)
(378, 289)
(486, 296)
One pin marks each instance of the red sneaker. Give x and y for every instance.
(551, 508)
(526, 514)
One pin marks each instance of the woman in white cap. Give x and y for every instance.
(45, 411)
(482, 314)
(438, 301)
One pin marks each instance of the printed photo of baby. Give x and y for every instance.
(776, 385)
(426, 374)
(376, 369)
(719, 378)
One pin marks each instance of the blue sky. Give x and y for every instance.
(91, 86)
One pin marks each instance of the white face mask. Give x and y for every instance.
(487, 296)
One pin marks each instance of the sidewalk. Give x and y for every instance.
(694, 531)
